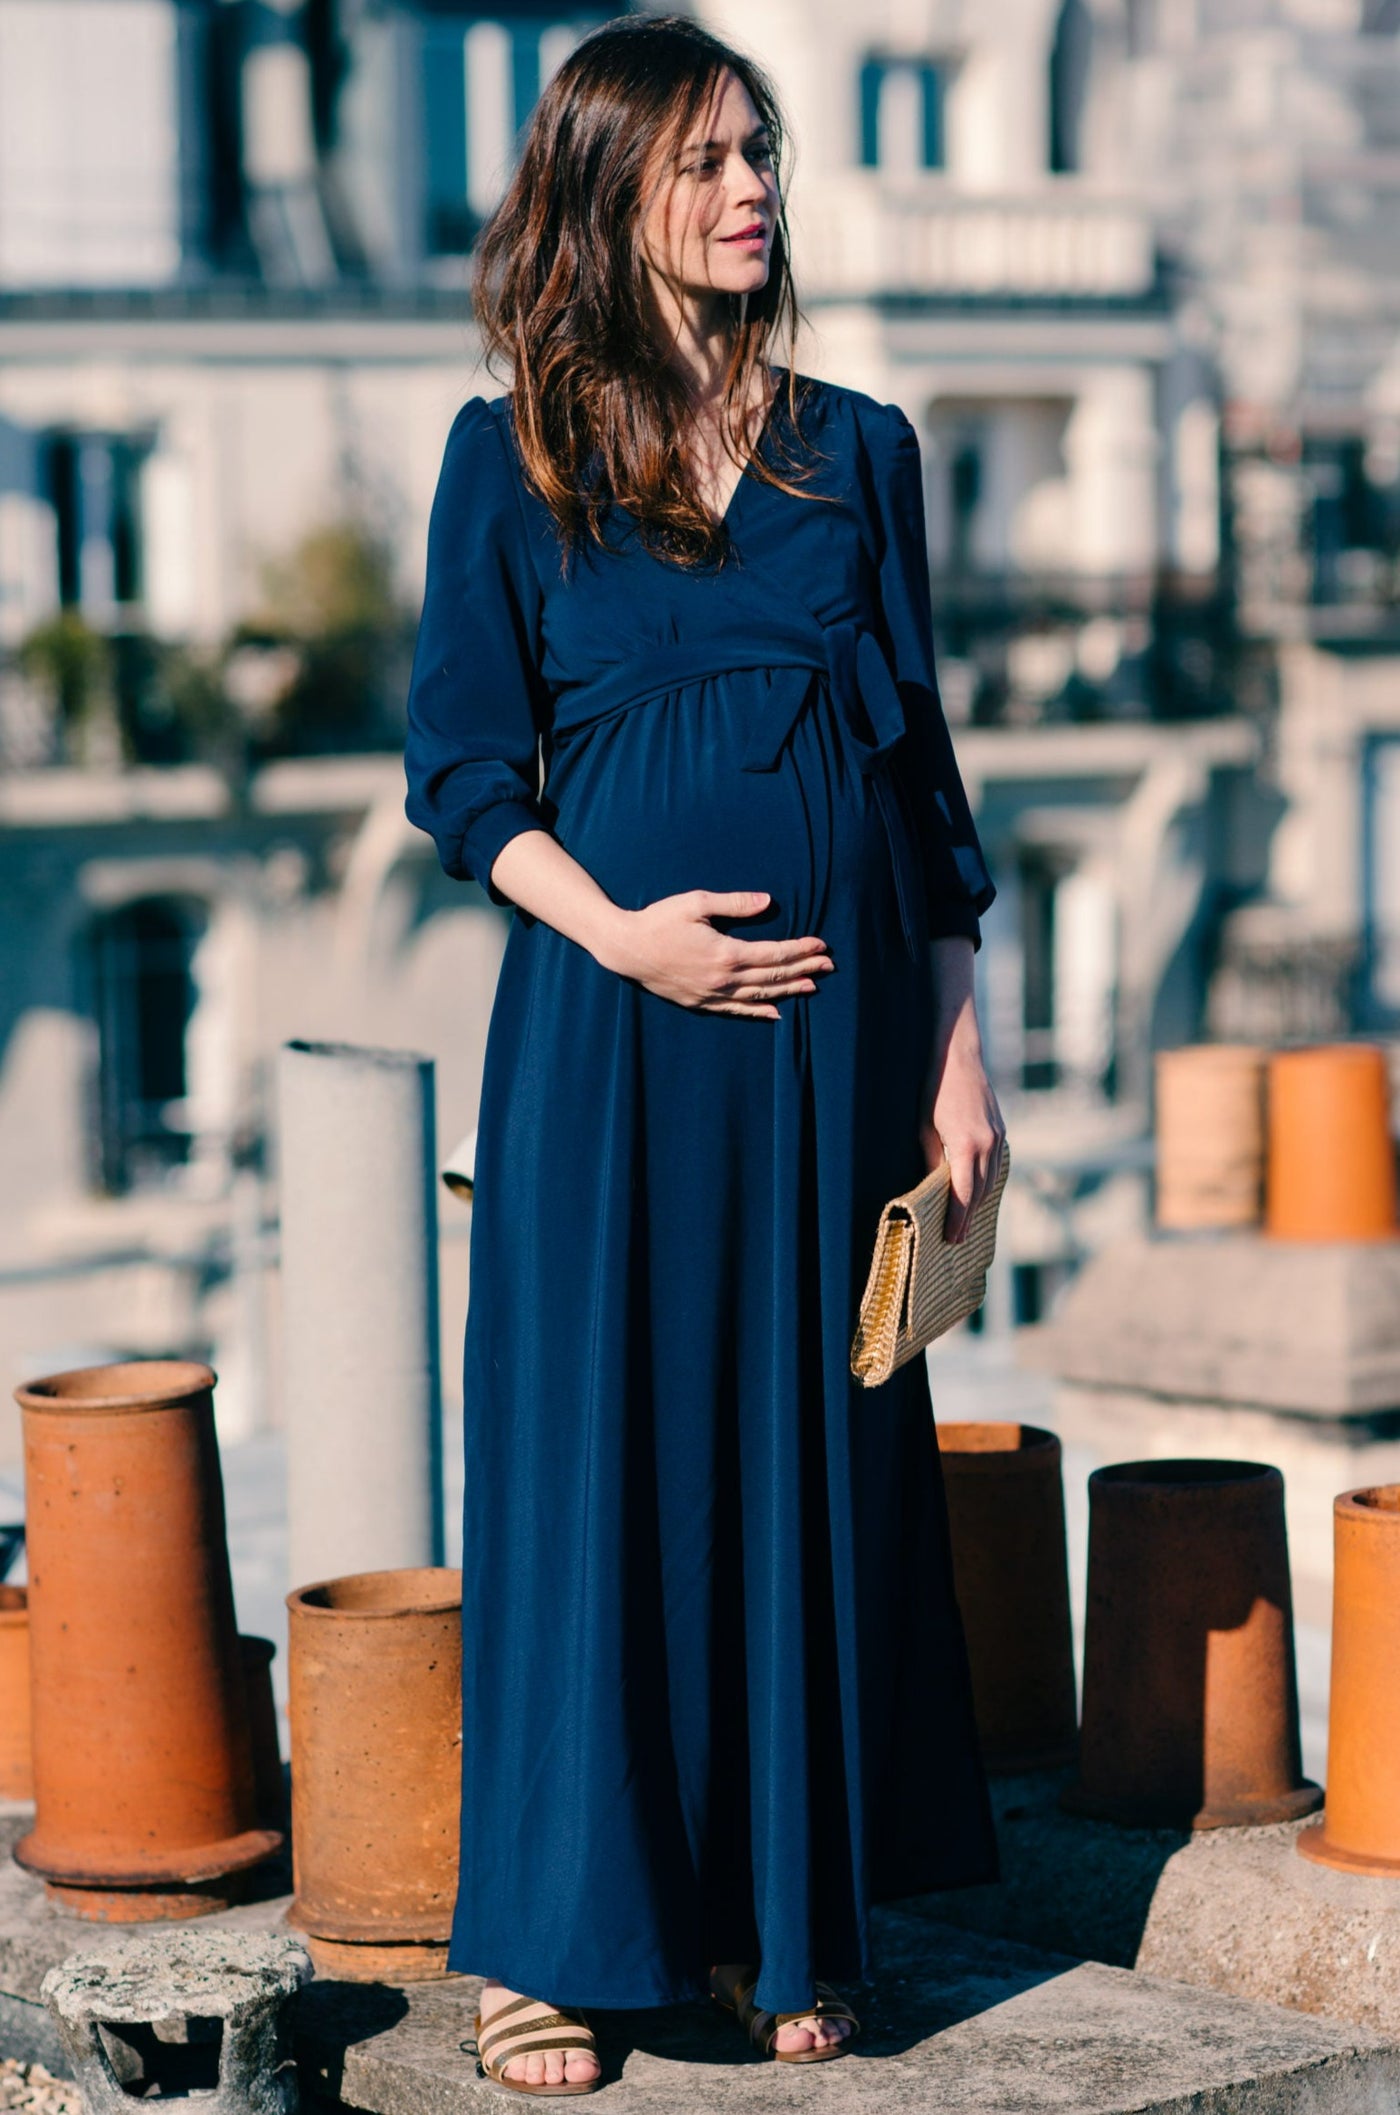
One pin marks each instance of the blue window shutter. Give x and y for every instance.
(931, 80)
(444, 126)
(525, 72)
(872, 74)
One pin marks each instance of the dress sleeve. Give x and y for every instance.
(476, 698)
(959, 887)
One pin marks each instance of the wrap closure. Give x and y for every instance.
(869, 711)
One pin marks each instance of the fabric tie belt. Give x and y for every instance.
(862, 687)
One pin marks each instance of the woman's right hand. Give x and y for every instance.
(671, 947)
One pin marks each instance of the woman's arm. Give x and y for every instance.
(669, 946)
(962, 1122)
(958, 887)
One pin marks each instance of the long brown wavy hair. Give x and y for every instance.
(560, 293)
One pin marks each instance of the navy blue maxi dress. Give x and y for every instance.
(716, 1698)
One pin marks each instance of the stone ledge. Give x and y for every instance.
(1234, 1910)
(1306, 1328)
(954, 2019)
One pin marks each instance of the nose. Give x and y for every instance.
(750, 185)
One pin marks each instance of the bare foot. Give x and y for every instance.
(574, 2067)
(813, 2032)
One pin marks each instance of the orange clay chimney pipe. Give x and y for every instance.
(1331, 1156)
(1360, 1831)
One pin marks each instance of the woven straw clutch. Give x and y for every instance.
(919, 1284)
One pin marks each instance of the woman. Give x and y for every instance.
(715, 1689)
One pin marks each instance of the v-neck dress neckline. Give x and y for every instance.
(764, 430)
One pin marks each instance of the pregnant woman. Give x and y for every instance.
(716, 1698)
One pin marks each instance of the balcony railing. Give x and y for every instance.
(1021, 649)
(862, 235)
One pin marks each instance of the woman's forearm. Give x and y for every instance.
(535, 871)
(955, 1006)
(961, 1120)
(671, 946)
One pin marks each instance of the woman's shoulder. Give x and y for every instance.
(479, 456)
(481, 427)
(859, 410)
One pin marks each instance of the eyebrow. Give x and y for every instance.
(695, 146)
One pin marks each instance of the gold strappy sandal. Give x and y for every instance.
(762, 2027)
(497, 2045)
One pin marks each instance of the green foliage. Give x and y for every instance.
(71, 665)
(333, 603)
(323, 667)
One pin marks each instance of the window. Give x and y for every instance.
(93, 485)
(1039, 878)
(1354, 518)
(451, 226)
(481, 81)
(901, 113)
(1069, 84)
(143, 996)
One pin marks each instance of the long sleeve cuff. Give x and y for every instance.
(484, 837)
(954, 918)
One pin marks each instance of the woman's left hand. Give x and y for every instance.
(961, 1120)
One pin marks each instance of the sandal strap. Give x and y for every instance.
(500, 2043)
(503, 2011)
(762, 2025)
(519, 2027)
(745, 2011)
(502, 2057)
(830, 2005)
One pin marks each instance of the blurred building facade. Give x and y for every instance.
(1129, 265)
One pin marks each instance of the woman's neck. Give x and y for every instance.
(695, 332)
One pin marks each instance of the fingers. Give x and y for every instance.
(762, 976)
(774, 983)
(752, 987)
(771, 954)
(728, 903)
(973, 1167)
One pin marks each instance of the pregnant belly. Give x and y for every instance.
(656, 800)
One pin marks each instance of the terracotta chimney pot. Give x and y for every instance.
(1190, 1706)
(1331, 1154)
(375, 1673)
(143, 1777)
(1006, 1518)
(1360, 1831)
(1210, 1136)
(16, 1760)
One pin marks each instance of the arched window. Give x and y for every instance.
(1069, 81)
(143, 995)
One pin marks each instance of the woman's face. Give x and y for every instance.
(710, 226)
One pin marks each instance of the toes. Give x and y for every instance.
(814, 2032)
(799, 2035)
